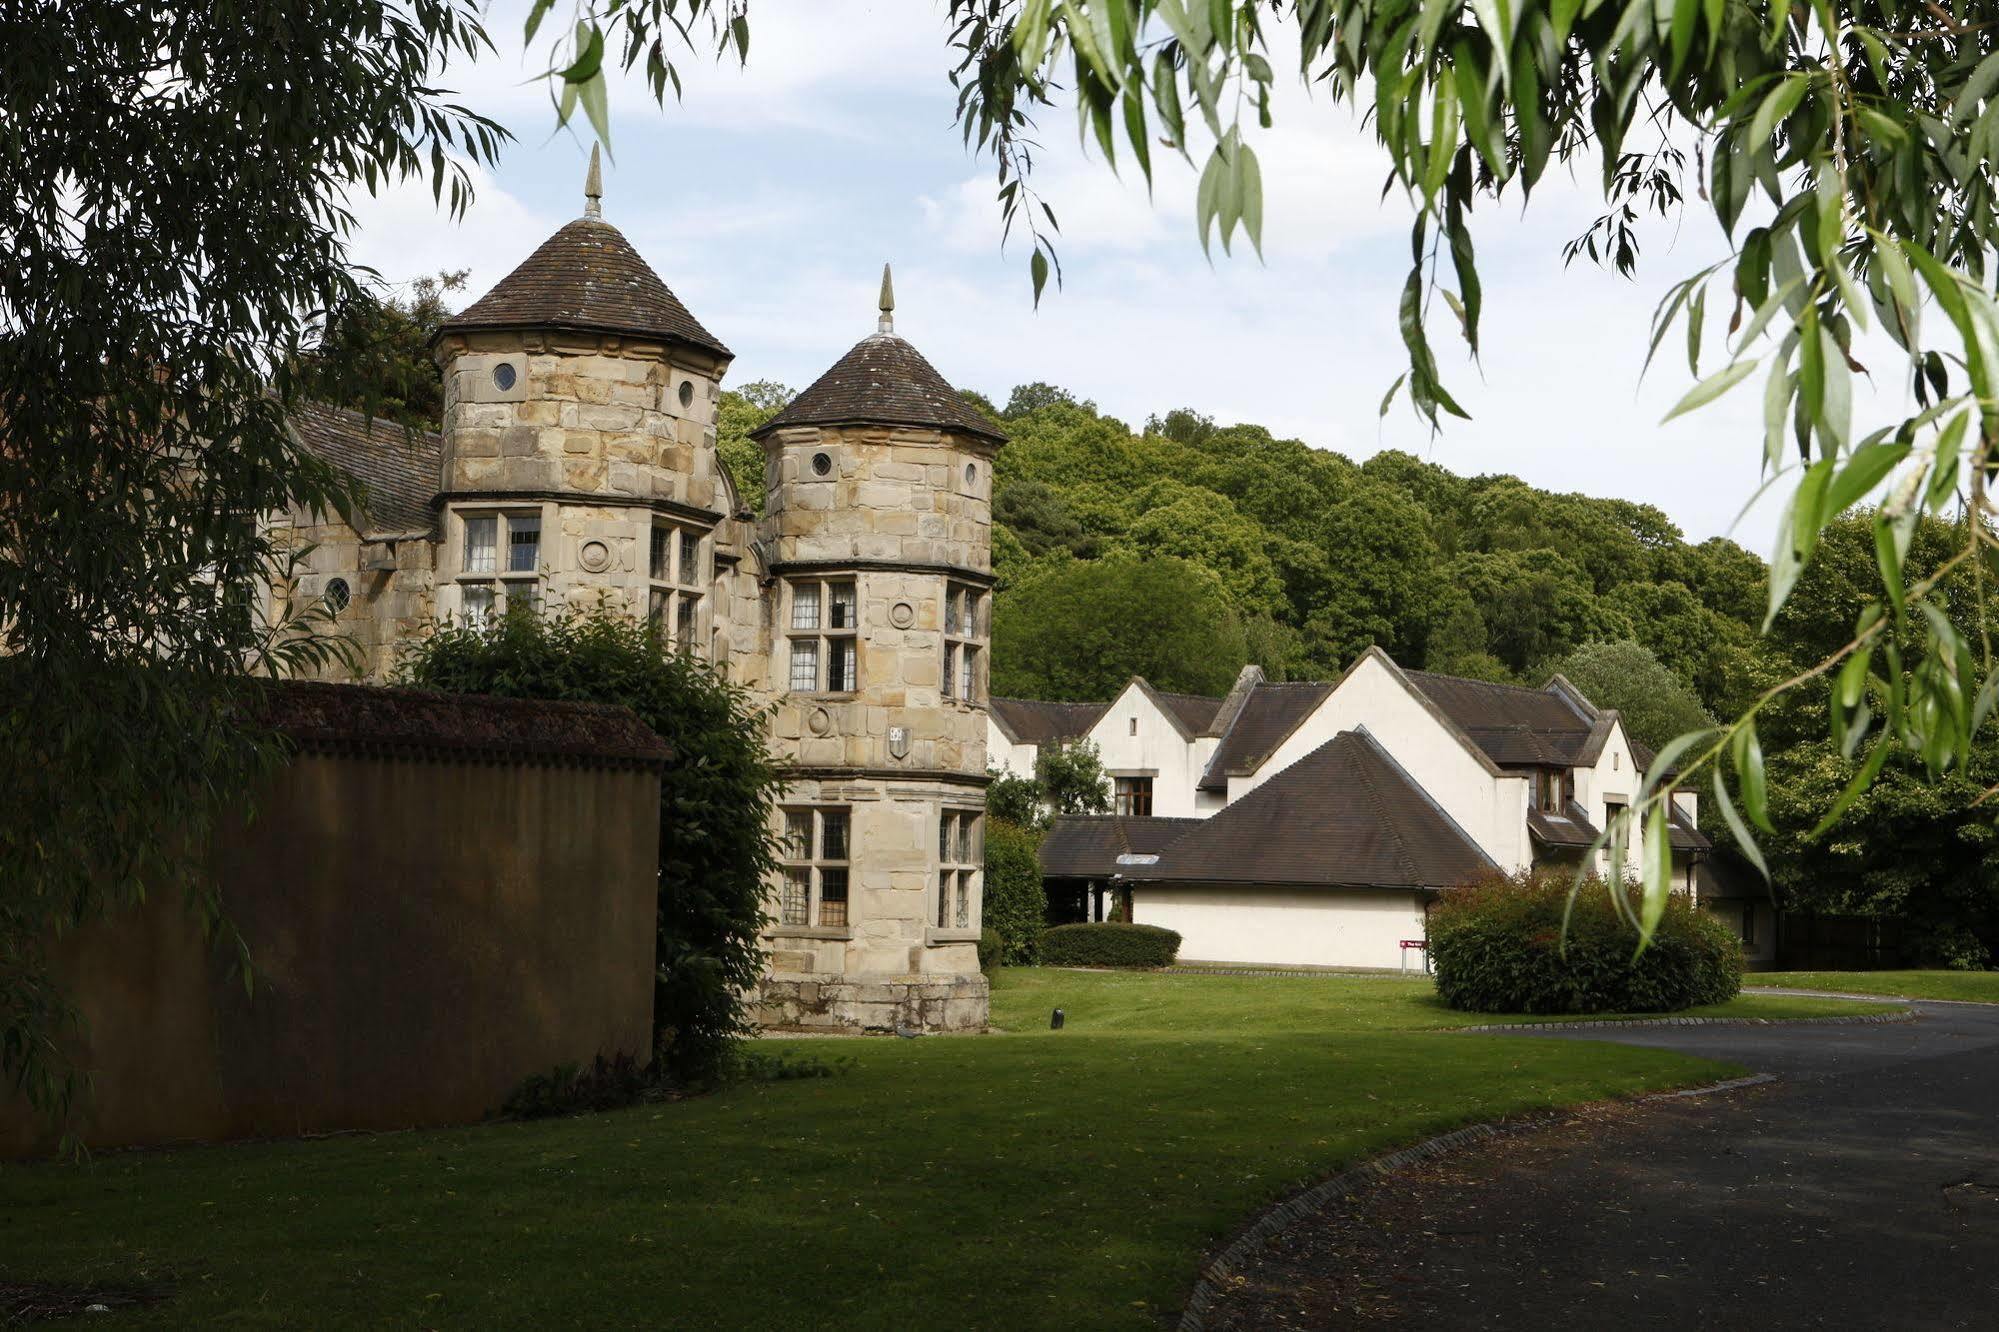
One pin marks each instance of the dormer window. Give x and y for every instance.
(1554, 788)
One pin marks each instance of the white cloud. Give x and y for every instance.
(769, 198)
(403, 233)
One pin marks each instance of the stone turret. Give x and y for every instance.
(579, 416)
(877, 531)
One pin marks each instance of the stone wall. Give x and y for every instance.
(581, 414)
(890, 493)
(440, 896)
(904, 515)
(868, 1006)
(391, 586)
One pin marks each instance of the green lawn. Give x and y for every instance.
(1976, 986)
(1033, 1179)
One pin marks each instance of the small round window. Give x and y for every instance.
(686, 393)
(822, 463)
(504, 376)
(338, 594)
(971, 474)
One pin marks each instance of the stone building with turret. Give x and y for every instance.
(576, 466)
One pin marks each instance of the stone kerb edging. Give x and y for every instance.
(1320, 1197)
(1613, 1024)
(1314, 1201)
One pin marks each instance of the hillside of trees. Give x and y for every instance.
(1184, 549)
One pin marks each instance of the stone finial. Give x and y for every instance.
(593, 187)
(887, 324)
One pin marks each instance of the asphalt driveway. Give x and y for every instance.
(1859, 1190)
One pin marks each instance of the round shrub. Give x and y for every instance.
(1109, 945)
(1498, 947)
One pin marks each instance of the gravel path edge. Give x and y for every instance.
(1315, 1200)
(1618, 1024)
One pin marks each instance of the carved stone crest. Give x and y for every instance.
(898, 741)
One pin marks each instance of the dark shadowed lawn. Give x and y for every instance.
(1979, 987)
(1054, 1179)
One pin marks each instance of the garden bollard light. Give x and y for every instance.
(1055, 1022)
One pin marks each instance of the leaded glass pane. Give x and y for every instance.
(841, 613)
(684, 619)
(840, 665)
(805, 605)
(481, 535)
(832, 897)
(798, 834)
(523, 543)
(660, 551)
(794, 905)
(833, 835)
(964, 899)
(690, 557)
(804, 664)
(478, 604)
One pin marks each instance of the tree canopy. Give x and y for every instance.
(174, 203)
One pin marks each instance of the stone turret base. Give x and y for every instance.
(791, 1001)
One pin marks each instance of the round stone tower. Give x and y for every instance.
(877, 537)
(579, 438)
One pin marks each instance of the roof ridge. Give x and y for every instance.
(1483, 684)
(371, 420)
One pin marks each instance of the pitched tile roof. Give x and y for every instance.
(1030, 722)
(1269, 715)
(1344, 816)
(1515, 726)
(882, 381)
(401, 470)
(586, 276)
(1087, 846)
(1195, 711)
(1570, 828)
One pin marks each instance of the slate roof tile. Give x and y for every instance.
(1344, 816)
(1087, 846)
(400, 469)
(586, 276)
(1031, 722)
(882, 381)
(1268, 717)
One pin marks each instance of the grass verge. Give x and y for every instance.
(1970, 986)
(1035, 1179)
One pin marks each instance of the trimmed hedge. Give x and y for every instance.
(1497, 946)
(991, 949)
(1016, 906)
(1109, 945)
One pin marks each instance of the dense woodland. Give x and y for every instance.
(1185, 549)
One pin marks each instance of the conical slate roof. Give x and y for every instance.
(586, 276)
(882, 381)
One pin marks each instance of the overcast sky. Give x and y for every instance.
(769, 198)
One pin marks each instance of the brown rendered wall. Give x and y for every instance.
(426, 931)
